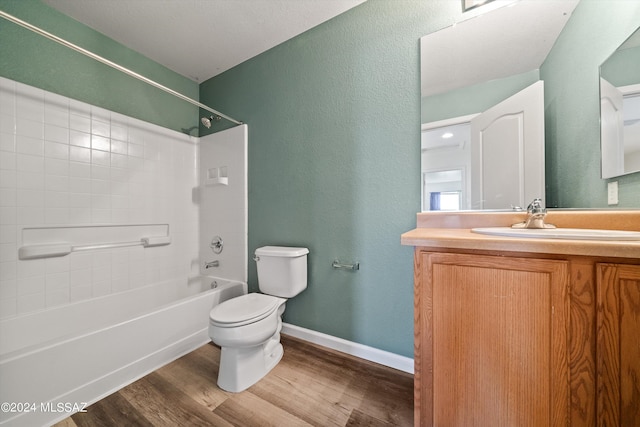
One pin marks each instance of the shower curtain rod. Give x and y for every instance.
(112, 64)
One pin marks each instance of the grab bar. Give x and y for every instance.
(342, 266)
(63, 248)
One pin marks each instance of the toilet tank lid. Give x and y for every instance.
(281, 251)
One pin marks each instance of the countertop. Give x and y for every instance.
(453, 231)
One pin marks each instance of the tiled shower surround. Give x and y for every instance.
(64, 162)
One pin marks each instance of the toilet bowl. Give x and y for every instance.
(247, 328)
(248, 332)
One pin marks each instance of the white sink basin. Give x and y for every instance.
(560, 233)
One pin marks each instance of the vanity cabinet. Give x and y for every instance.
(521, 339)
(492, 340)
(618, 345)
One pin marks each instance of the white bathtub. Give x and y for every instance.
(71, 356)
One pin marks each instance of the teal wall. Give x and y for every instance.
(31, 59)
(475, 98)
(572, 105)
(334, 161)
(623, 67)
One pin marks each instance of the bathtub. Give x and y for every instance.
(58, 361)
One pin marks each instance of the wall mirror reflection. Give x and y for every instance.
(620, 109)
(491, 88)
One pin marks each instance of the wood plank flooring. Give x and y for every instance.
(311, 386)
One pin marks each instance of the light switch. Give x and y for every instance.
(612, 193)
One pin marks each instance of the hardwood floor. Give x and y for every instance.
(311, 386)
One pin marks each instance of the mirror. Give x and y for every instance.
(497, 58)
(467, 75)
(620, 109)
(497, 55)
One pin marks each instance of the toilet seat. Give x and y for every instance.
(243, 310)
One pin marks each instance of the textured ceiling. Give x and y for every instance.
(201, 38)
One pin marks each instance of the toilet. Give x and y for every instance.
(247, 328)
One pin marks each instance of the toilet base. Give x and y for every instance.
(240, 368)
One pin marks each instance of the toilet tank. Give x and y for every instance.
(282, 270)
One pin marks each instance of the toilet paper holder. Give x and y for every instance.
(345, 266)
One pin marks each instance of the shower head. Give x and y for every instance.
(206, 121)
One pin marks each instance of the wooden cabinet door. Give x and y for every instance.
(491, 344)
(618, 345)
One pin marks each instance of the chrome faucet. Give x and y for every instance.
(215, 263)
(535, 218)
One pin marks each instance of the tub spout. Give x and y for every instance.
(210, 264)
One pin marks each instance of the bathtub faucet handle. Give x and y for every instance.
(210, 264)
(217, 245)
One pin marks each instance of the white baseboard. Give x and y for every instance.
(382, 357)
